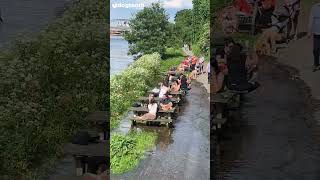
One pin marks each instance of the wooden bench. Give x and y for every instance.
(162, 121)
(218, 122)
(100, 119)
(142, 109)
(82, 153)
(145, 109)
(157, 99)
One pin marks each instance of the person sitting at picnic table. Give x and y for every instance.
(264, 13)
(186, 64)
(237, 74)
(175, 87)
(164, 89)
(152, 110)
(220, 69)
(165, 102)
(180, 68)
(184, 84)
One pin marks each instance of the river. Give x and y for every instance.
(119, 58)
(25, 17)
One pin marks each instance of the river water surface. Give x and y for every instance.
(119, 58)
(25, 17)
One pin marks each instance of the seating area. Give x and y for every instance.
(234, 72)
(169, 96)
(90, 147)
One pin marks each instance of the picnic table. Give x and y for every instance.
(145, 109)
(173, 100)
(83, 153)
(160, 119)
(100, 120)
(224, 102)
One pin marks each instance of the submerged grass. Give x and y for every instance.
(127, 150)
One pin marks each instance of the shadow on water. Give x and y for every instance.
(181, 152)
(275, 136)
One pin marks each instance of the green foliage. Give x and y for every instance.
(49, 84)
(149, 31)
(201, 13)
(126, 87)
(127, 150)
(172, 58)
(183, 26)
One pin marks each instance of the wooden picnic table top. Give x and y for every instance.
(98, 117)
(161, 120)
(216, 121)
(158, 99)
(223, 97)
(94, 150)
(175, 93)
(145, 109)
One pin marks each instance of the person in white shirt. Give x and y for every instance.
(164, 89)
(201, 64)
(314, 30)
(152, 110)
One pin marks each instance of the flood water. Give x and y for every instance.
(181, 152)
(119, 58)
(275, 137)
(25, 17)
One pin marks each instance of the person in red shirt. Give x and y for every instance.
(194, 61)
(186, 64)
(243, 6)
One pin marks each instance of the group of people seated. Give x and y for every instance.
(175, 81)
(192, 64)
(164, 104)
(234, 69)
(268, 14)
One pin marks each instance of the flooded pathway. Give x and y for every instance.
(182, 153)
(276, 137)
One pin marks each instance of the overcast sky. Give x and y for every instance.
(171, 6)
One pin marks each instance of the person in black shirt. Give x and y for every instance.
(237, 74)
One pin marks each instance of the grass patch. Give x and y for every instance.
(172, 57)
(127, 150)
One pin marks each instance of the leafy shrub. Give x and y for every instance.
(49, 84)
(126, 87)
(127, 150)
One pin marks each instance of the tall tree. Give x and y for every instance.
(149, 31)
(183, 23)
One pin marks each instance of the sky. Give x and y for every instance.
(171, 6)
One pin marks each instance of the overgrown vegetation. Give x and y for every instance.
(49, 84)
(132, 83)
(127, 150)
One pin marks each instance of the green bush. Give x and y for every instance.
(49, 84)
(126, 87)
(127, 150)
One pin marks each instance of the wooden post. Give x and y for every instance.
(79, 165)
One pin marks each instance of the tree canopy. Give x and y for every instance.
(149, 31)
